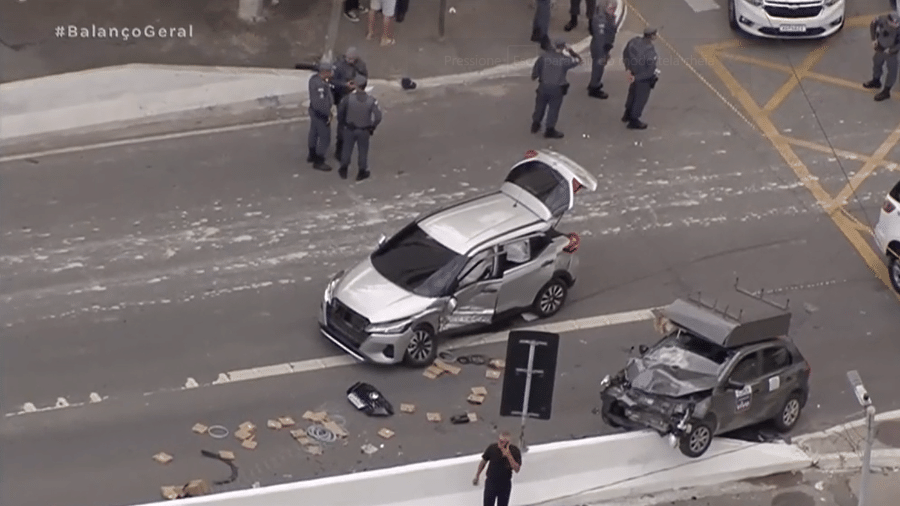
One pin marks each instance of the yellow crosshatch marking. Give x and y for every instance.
(856, 232)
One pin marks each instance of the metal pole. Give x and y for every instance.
(867, 458)
(528, 374)
(442, 18)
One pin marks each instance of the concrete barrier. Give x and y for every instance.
(556, 474)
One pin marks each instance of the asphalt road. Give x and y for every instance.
(128, 270)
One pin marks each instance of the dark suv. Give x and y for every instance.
(714, 372)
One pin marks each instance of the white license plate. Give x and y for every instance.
(792, 28)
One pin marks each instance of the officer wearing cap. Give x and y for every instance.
(640, 61)
(345, 71)
(885, 33)
(603, 36)
(321, 100)
(540, 27)
(360, 115)
(550, 71)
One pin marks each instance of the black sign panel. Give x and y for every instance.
(540, 400)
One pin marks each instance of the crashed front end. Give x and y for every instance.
(629, 408)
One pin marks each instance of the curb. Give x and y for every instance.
(851, 460)
(856, 424)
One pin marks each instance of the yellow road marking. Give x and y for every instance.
(869, 167)
(841, 153)
(797, 75)
(757, 62)
(859, 21)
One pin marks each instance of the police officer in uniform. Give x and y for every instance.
(575, 9)
(540, 27)
(321, 100)
(640, 60)
(360, 115)
(550, 71)
(603, 36)
(885, 33)
(345, 70)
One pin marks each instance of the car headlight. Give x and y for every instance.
(394, 327)
(829, 3)
(755, 3)
(605, 382)
(329, 290)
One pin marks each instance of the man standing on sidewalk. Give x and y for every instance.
(321, 100)
(502, 458)
(640, 60)
(360, 115)
(575, 9)
(550, 71)
(885, 33)
(345, 71)
(387, 8)
(603, 36)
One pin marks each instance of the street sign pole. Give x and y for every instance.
(866, 402)
(529, 372)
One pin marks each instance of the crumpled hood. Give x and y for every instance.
(368, 293)
(660, 379)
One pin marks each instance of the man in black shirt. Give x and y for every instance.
(503, 458)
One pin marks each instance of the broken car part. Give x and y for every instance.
(369, 400)
(231, 465)
(217, 432)
(321, 434)
(475, 359)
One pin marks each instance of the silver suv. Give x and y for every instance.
(465, 266)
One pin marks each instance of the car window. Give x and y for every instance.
(416, 262)
(544, 183)
(746, 370)
(479, 268)
(775, 359)
(519, 252)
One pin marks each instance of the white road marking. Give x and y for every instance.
(702, 5)
(319, 364)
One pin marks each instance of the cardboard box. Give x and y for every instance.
(298, 433)
(249, 444)
(196, 488)
(479, 391)
(247, 426)
(492, 374)
(432, 372)
(408, 408)
(472, 417)
(444, 366)
(335, 428)
(313, 449)
(303, 440)
(433, 417)
(199, 428)
(315, 416)
(497, 363)
(475, 399)
(226, 455)
(273, 424)
(163, 458)
(242, 434)
(286, 421)
(386, 433)
(171, 493)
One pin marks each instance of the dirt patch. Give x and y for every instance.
(889, 433)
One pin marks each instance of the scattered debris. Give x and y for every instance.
(452, 369)
(315, 416)
(368, 399)
(163, 458)
(368, 449)
(227, 458)
(249, 444)
(286, 421)
(408, 408)
(242, 434)
(386, 433)
(248, 426)
(476, 359)
(171, 493)
(433, 417)
(336, 429)
(497, 363)
(273, 424)
(446, 356)
(199, 428)
(475, 399)
(255, 485)
(196, 488)
(460, 419)
(298, 433)
(433, 372)
(492, 374)
(479, 391)
(217, 432)
(313, 449)
(473, 417)
(321, 433)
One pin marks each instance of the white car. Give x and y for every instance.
(782, 19)
(887, 234)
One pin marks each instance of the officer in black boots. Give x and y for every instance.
(603, 36)
(885, 33)
(360, 115)
(550, 71)
(321, 100)
(640, 61)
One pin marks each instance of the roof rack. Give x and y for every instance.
(714, 307)
(760, 296)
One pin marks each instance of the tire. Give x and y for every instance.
(789, 413)
(422, 349)
(894, 272)
(551, 298)
(732, 16)
(695, 443)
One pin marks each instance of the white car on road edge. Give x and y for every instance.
(887, 234)
(783, 19)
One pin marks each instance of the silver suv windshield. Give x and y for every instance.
(688, 352)
(416, 262)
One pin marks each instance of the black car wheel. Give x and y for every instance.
(695, 443)
(790, 413)
(894, 271)
(732, 16)
(550, 298)
(422, 349)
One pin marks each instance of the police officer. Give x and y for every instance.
(321, 101)
(575, 9)
(640, 60)
(345, 70)
(540, 27)
(360, 115)
(550, 71)
(885, 33)
(603, 36)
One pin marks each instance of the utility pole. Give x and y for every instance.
(866, 402)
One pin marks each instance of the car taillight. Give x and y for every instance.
(576, 186)
(888, 206)
(531, 153)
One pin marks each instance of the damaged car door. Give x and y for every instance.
(736, 398)
(526, 265)
(475, 294)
